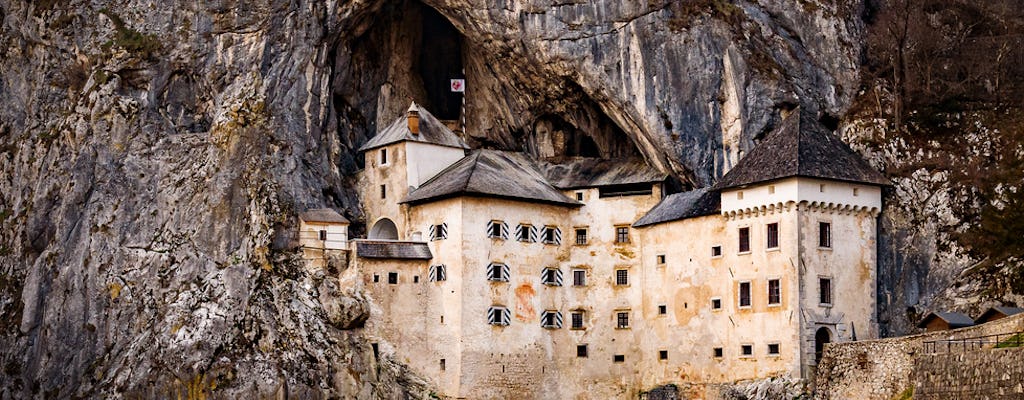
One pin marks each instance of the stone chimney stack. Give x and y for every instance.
(414, 119)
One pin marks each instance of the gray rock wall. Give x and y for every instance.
(993, 374)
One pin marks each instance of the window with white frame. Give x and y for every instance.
(774, 292)
(551, 319)
(526, 233)
(744, 240)
(497, 272)
(551, 276)
(716, 251)
(499, 315)
(437, 273)
(773, 349)
(746, 350)
(579, 277)
(716, 303)
(552, 235)
(497, 230)
(438, 232)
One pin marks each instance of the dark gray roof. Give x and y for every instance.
(393, 249)
(583, 172)
(953, 319)
(491, 173)
(999, 310)
(432, 131)
(323, 215)
(801, 147)
(695, 203)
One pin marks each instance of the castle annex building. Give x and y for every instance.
(496, 275)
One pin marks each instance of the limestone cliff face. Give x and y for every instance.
(154, 156)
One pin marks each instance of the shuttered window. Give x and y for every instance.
(438, 273)
(526, 233)
(551, 319)
(499, 315)
(774, 291)
(497, 230)
(497, 272)
(438, 232)
(551, 276)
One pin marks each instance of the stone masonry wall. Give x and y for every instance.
(982, 374)
(881, 369)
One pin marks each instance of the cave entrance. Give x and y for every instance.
(440, 61)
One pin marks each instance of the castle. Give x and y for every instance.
(496, 275)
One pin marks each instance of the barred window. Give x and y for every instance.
(622, 277)
(581, 236)
(622, 319)
(579, 277)
(577, 319)
(621, 234)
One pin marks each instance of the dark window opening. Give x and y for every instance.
(747, 350)
(495, 229)
(579, 196)
(442, 364)
(622, 277)
(825, 290)
(440, 61)
(744, 294)
(662, 309)
(581, 237)
(579, 277)
(416, 279)
(744, 240)
(383, 191)
(376, 278)
(622, 320)
(773, 235)
(718, 352)
(716, 304)
(661, 258)
(773, 349)
(323, 235)
(618, 358)
(392, 278)
(383, 156)
(716, 251)
(824, 234)
(774, 291)
(577, 320)
(632, 189)
(663, 354)
(581, 351)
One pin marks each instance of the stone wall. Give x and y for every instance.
(881, 369)
(982, 374)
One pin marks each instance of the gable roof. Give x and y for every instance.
(674, 207)
(585, 172)
(490, 173)
(998, 311)
(323, 215)
(953, 319)
(432, 131)
(800, 146)
(393, 249)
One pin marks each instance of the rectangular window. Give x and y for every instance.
(747, 350)
(497, 230)
(581, 351)
(744, 239)
(392, 278)
(718, 352)
(552, 235)
(551, 319)
(376, 278)
(416, 279)
(825, 291)
(577, 319)
(825, 234)
(662, 309)
(622, 319)
(622, 277)
(551, 276)
(437, 273)
(322, 235)
(744, 294)
(383, 191)
(774, 292)
(716, 251)
(773, 349)
(438, 232)
(579, 196)
(581, 236)
(442, 364)
(526, 233)
(579, 277)
(498, 315)
(716, 304)
(663, 354)
(621, 234)
(773, 236)
(497, 272)
(661, 259)
(383, 156)
(856, 192)
(618, 358)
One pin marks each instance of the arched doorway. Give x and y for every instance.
(384, 229)
(821, 337)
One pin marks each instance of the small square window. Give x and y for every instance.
(552, 235)
(662, 309)
(581, 351)
(581, 236)
(494, 230)
(622, 319)
(663, 354)
(621, 234)
(619, 358)
(622, 277)
(415, 279)
(716, 304)
(716, 251)
(376, 278)
(579, 196)
(661, 259)
(718, 352)
(747, 350)
(392, 278)
(579, 277)
(773, 349)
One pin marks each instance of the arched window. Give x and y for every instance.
(384, 229)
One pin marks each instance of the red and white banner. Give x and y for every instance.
(458, 85)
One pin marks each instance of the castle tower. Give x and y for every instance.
(410, 151)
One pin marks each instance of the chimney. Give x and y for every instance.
(414, 119)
